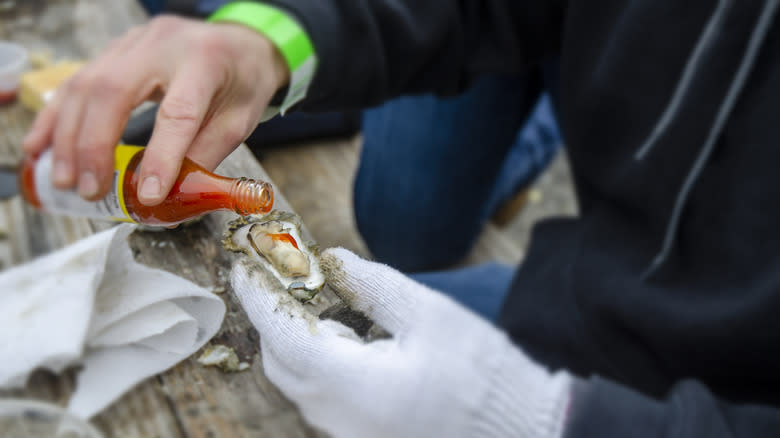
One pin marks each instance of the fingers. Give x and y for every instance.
(83, 122)
(220, 136)
(261, 303)
(385, 295)
(40, 134)
(331, 348)
(297, 339)
(210, 103)
(70, 112)
(113, 93)
(179, 119)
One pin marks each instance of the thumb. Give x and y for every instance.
(296, 338)
(179, 119)
(264, 301)
(385, 295)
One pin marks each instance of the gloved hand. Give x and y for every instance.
(445, 372)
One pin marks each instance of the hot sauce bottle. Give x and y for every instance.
(7, 96)
(195, 192)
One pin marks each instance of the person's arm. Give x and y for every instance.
(603, 408)
(372, 50)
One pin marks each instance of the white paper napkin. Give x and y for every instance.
(91, 303)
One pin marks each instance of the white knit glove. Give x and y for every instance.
(446, 372)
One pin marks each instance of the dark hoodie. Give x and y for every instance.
(668, 285)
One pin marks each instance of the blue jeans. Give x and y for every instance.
(481, 288)
(433, 170)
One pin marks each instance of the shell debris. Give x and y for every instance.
(223, 357)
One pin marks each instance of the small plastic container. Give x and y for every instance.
(37, 419)
(13, 62)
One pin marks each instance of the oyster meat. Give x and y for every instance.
(275, 242)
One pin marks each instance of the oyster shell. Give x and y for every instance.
(275, 242)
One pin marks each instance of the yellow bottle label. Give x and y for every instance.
(68, 202)
(122, 156)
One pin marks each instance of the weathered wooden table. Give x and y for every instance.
(189, 399)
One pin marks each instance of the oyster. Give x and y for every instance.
(275, 242)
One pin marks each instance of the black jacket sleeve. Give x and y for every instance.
(372, 50)
(604, 409)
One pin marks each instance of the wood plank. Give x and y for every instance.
(552, 196)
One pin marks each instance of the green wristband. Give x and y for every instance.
(285, 33)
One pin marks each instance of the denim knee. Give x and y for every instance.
(400, 229)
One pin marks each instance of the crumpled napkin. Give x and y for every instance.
(91, 304)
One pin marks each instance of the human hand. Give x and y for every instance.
(214, 82)
(445, 372)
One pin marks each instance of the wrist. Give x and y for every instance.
(294, 58)
(281, 70)
(524, 400)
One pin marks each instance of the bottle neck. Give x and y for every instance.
(250, 196)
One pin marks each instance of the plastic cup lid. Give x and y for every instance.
(13, 62)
